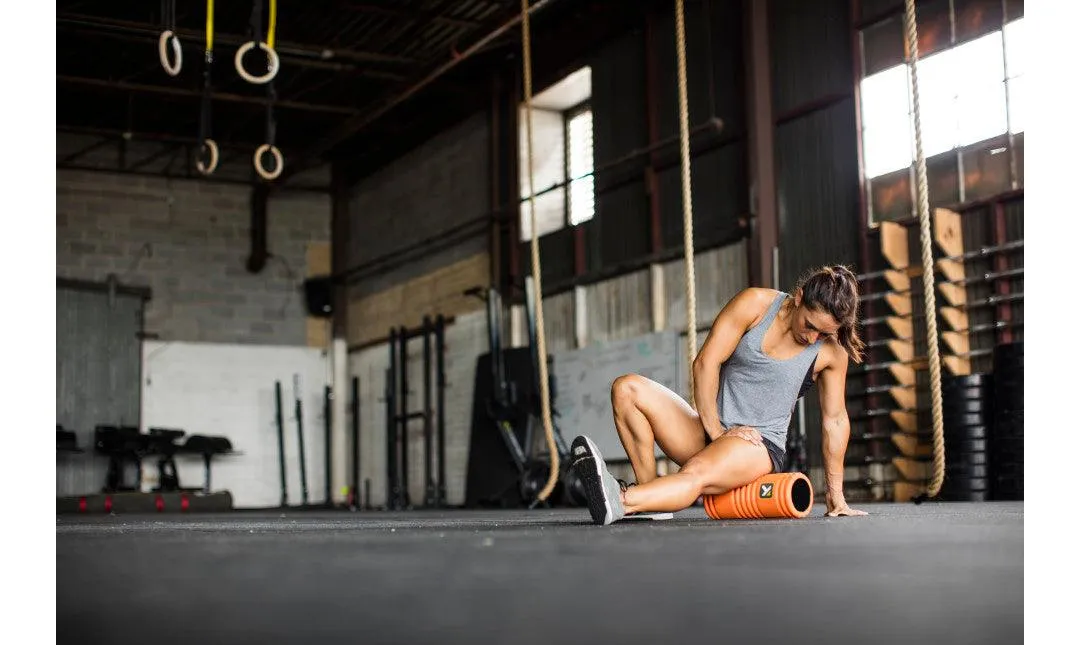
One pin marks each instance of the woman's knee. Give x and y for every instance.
(626, 390)
(696, 473)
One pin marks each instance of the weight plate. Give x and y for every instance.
(967, 420)
(957, 407)
(966, 458)
(965, 393)
(965, 484)
(957, 432)
(967, 470)
(966, 496)
(965, 445)
(968, 380)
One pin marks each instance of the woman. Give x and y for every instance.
(764, 349)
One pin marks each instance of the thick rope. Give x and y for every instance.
(929, 304)
(688, 207)
(541, 343)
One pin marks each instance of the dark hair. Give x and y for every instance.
(834, 289)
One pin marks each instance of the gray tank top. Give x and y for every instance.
(760, 391)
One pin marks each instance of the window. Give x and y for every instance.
(579, 164)
(562, 156)
(971, 102)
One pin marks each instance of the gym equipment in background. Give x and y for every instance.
(432, 414)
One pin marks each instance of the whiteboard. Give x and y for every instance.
(584, 377)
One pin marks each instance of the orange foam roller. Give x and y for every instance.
(787, 495)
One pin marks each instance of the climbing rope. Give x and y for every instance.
(929, 303)
(688, 207)
(541, 343)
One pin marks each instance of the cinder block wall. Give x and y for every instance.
(189, 241)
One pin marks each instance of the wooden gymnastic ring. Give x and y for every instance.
(271, 71)
(209, 168)
(163, 52)
(272, 149)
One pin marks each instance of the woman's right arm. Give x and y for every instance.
(731, 323)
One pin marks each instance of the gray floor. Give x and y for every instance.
(934, 573)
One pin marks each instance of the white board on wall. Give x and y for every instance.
(228, 390)
(584, 377)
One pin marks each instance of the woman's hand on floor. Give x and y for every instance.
(837, 507)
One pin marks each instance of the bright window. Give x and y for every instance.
(972, 104)
(579, 135)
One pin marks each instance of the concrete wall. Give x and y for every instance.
(188, 241)
(425, 194)
(466, 339)
(227, 390)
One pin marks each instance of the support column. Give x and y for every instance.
(765, 220)
(342, 458)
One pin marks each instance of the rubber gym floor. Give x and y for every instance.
(933, 573)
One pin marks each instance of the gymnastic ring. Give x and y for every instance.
(272, 68)
(209, 168)
(280, 165)
(163, 52)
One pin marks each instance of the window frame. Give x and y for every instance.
(568, 115)
(955, 155)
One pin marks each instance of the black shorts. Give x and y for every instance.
(776, 453)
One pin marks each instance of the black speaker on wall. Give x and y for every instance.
(319, 296)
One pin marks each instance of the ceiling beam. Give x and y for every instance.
(122, 86)
(159, 137)
(412, 15)
(196, 48)
(284, 48)
(351, 127)
(97, 145)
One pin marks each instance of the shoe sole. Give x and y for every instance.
(592, 480)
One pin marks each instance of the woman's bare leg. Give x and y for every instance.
(725, 464)
(647, 414)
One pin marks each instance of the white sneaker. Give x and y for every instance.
(601, 488)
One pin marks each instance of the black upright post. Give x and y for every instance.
(403, 472)
(300, 439)
(356, 442)
(429, 482)
(327, 427)
(391, 425)
(440, 393)
(281, 443)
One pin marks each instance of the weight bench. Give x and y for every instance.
(207, 447)
(66, 441)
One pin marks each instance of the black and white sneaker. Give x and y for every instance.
(601, 489)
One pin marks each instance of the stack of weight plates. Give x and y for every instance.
(967, 418)
(1007, 458)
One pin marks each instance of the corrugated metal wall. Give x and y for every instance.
(98, 363)
(720, 274)
(620, 232)
(620, 229)
(817, 191)
(816, 151)
(619, 308)
(810, 50)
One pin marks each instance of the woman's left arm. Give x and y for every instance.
(835, 429)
